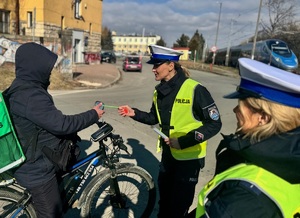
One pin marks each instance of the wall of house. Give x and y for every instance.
(185, 53)
(10, 5)
(54, 22)
(128, 44)
(53, 15)
(9, 45)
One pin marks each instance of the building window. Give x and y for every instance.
(29, 19)
(4, 21)
(77, 9)
(62, 22)
(119, 39)
(91, 29)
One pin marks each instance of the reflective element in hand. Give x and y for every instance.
(100, 103)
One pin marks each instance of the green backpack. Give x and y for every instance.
(11, 153)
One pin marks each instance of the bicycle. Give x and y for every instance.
(116, 190)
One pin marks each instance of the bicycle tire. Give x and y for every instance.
(10, 197)
(137, 188)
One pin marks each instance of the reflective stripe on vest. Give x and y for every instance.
(281, 192)
(183, 121)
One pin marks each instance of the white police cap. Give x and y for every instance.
(160, 54)
(260, 80)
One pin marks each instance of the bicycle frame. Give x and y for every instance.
(92, 159)
(97, 158)
(78, 178)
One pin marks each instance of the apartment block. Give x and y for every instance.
(134, 43)
(72, 27)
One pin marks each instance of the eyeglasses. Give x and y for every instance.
(157, 65)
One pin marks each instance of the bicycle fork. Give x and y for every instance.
(117, 199)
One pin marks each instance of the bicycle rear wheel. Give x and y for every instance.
(138, 195)
(8, 205)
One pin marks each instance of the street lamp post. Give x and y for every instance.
(229, 44)
(256, 30)
(213, 61)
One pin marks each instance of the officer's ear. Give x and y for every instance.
(171, 66)
(264, 118)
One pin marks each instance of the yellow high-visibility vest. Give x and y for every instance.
(284, 194)
(183, 121)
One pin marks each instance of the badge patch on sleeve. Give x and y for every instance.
(213, 113)
(199, 136)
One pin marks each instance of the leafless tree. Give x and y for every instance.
(291, 35)
(281, 15)
(282, 23)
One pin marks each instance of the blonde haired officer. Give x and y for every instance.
(188, 116)
(257, 171)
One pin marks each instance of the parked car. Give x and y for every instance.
(132, 63)
(108, 56)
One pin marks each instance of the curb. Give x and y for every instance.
(115, 81)
(94, 85)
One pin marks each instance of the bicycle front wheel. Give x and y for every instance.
(138, 195)
(9, 206)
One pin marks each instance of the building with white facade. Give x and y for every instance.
(133, 43)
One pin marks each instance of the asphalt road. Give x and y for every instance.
(136, 89)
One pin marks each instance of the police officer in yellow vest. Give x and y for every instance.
(188, 116)
(257, 171)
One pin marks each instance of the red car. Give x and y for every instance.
(132, 63)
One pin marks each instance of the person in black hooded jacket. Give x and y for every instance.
(32, 108)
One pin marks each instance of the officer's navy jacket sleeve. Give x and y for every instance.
(149, 118)
(204, 109)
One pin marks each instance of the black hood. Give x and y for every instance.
(34, 63)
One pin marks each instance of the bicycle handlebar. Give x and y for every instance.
(118, 141)
(104, 131)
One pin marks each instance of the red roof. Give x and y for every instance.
(181, 48)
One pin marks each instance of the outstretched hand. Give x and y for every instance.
(125, 110)
(97, 108)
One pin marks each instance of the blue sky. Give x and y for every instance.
(172, 18)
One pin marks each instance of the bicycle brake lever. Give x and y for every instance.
(121, 145)
(124, 148)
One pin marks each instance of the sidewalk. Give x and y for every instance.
(96, 75)
(105, 74)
